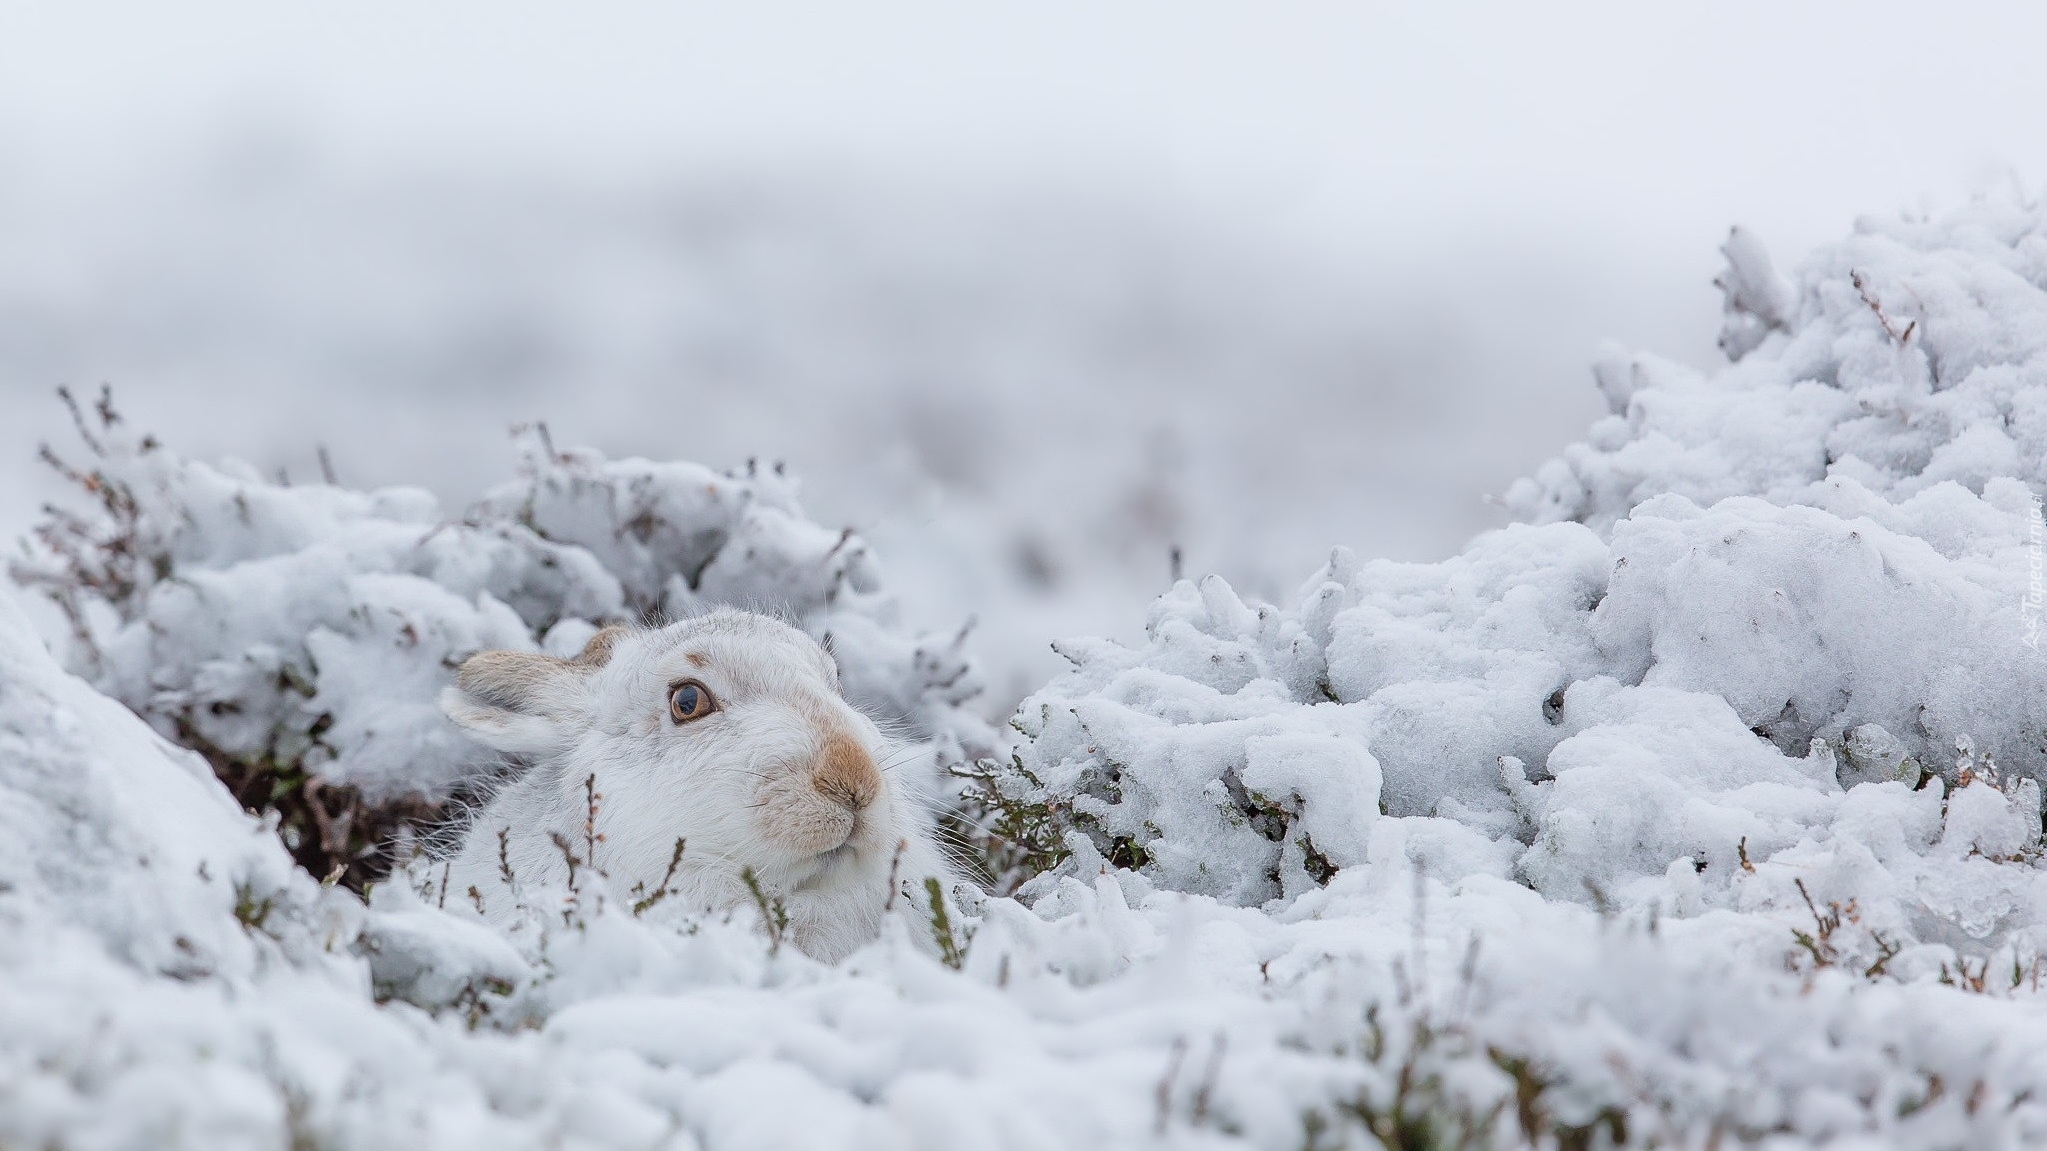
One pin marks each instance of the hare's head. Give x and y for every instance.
(727, 730)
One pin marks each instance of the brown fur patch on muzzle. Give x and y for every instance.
(845, 773)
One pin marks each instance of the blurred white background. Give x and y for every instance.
(1029, 292)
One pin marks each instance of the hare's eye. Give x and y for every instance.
(690, 700)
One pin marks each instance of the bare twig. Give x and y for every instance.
(1165, 1087)
(1206, 1091)
(774, 916)
(647, 903)
(951, 950)
(1899, 336)
(591, 799)
(895, 864)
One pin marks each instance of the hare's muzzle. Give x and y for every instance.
(845, 773)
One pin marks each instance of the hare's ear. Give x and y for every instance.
(519, 702)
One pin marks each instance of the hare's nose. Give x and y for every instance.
(846, 774)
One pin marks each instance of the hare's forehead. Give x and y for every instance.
(753, 660)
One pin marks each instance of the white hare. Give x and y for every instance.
(725, 732)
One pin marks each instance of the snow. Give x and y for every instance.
(1700, 807)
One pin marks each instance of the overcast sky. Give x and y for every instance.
(1641, 125)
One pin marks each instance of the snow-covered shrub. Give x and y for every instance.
(1910, 355)
(298, 635)
(1740, 647)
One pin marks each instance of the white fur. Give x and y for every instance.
(737, 786)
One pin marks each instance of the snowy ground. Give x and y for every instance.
(1699, 807)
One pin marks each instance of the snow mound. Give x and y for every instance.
(1908, 356)
(1835, 667)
